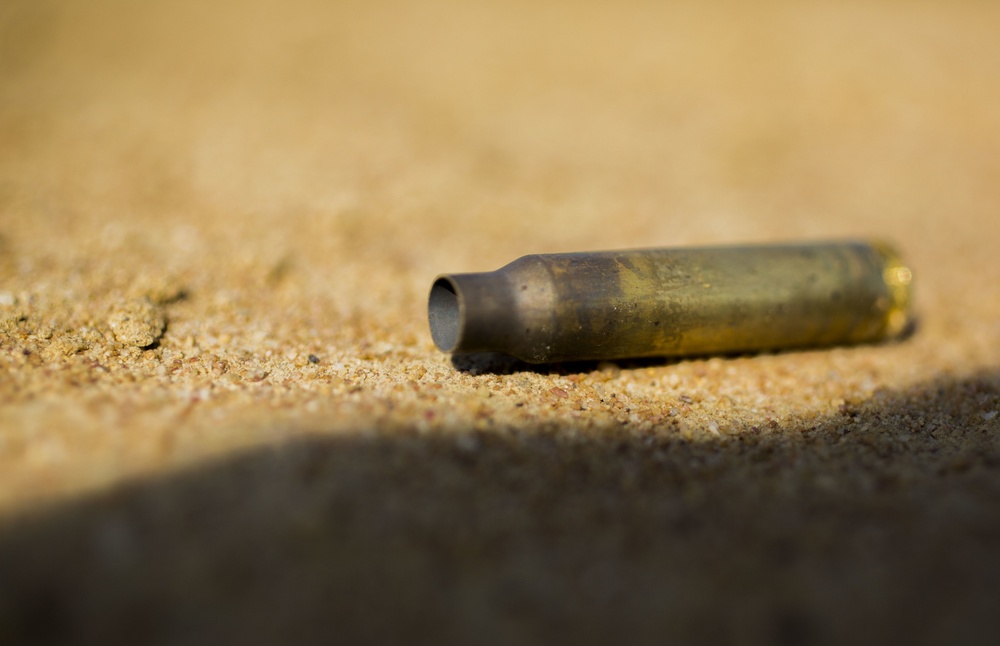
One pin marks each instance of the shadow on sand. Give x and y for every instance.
(881, 524)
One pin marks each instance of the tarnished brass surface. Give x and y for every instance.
(671, 302)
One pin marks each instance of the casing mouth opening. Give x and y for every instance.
(444, 311)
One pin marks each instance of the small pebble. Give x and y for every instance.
(138, 323)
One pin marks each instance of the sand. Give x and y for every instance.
(222, 417)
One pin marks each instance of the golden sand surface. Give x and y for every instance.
(222, 418)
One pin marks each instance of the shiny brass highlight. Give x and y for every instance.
(675, 302)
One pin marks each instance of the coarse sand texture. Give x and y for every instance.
(222, 415)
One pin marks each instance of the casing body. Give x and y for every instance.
(674, 302)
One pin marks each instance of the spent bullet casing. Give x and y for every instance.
(674, 302)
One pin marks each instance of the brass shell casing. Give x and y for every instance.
(675, 302)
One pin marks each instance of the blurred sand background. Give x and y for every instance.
(264, 192)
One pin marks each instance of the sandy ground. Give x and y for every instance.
(221, 414)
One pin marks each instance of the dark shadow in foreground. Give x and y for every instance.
(881, 524)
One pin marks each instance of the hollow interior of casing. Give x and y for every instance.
(444, 314)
